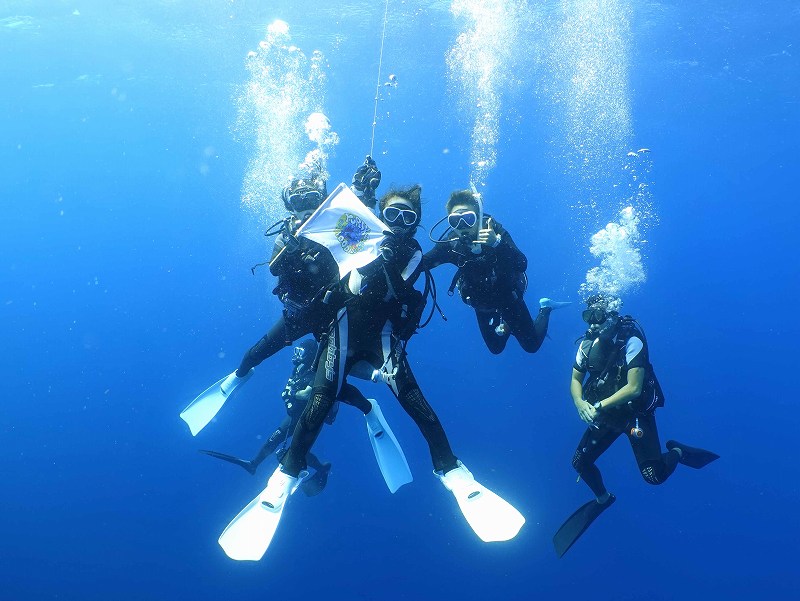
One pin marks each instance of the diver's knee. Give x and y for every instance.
(651, 476)
(530, 346)
(317, 409)
(579, 462)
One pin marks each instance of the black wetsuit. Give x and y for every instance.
(381, 310)
(302, 377)
(493, 283)
(304, 273)
(630, 351)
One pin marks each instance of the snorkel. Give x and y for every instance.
(479, 203)
(475, 247)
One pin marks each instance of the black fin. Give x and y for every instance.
(316, 484)
(248, 465)
(691, 456)
(577, 523)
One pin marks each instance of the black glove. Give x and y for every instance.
(291, 243)
(388, 248)
(366, 180)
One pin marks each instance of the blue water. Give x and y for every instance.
(126, 290)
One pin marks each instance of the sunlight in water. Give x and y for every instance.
(280, 102)
(478, 66)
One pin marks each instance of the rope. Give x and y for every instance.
(378, 85)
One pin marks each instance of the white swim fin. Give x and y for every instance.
(249, 534)
(391, 460)
(203, 409)
(491, 517)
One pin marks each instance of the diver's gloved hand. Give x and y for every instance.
(291, 243)
(366, 180)
(389, 248)
(383, 375)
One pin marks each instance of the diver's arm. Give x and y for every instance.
(277, 260)
(413, 267)
(632, 389)
(436, 256)
(585, 410)
(508, 252)
(576, 386)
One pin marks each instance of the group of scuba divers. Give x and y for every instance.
(359, 326)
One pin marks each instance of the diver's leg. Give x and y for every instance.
(594, 443)
(351, 395)
(281, 334)
(330, 372)
(405, 388)
(278, 436)
(654, 465)
(529, 333)
(487, 323)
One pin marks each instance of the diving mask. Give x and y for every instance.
(462, 220)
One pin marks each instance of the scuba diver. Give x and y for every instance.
(295, 396)
(490, 275)
(380, 312)
(620, 395)
(306, 274)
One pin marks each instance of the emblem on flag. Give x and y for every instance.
(348, 229)
(351, 232)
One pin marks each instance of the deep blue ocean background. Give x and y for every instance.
(125, 290)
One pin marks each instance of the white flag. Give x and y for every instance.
(347, 228)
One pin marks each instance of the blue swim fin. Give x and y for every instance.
(548, 303)
(391, 460)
